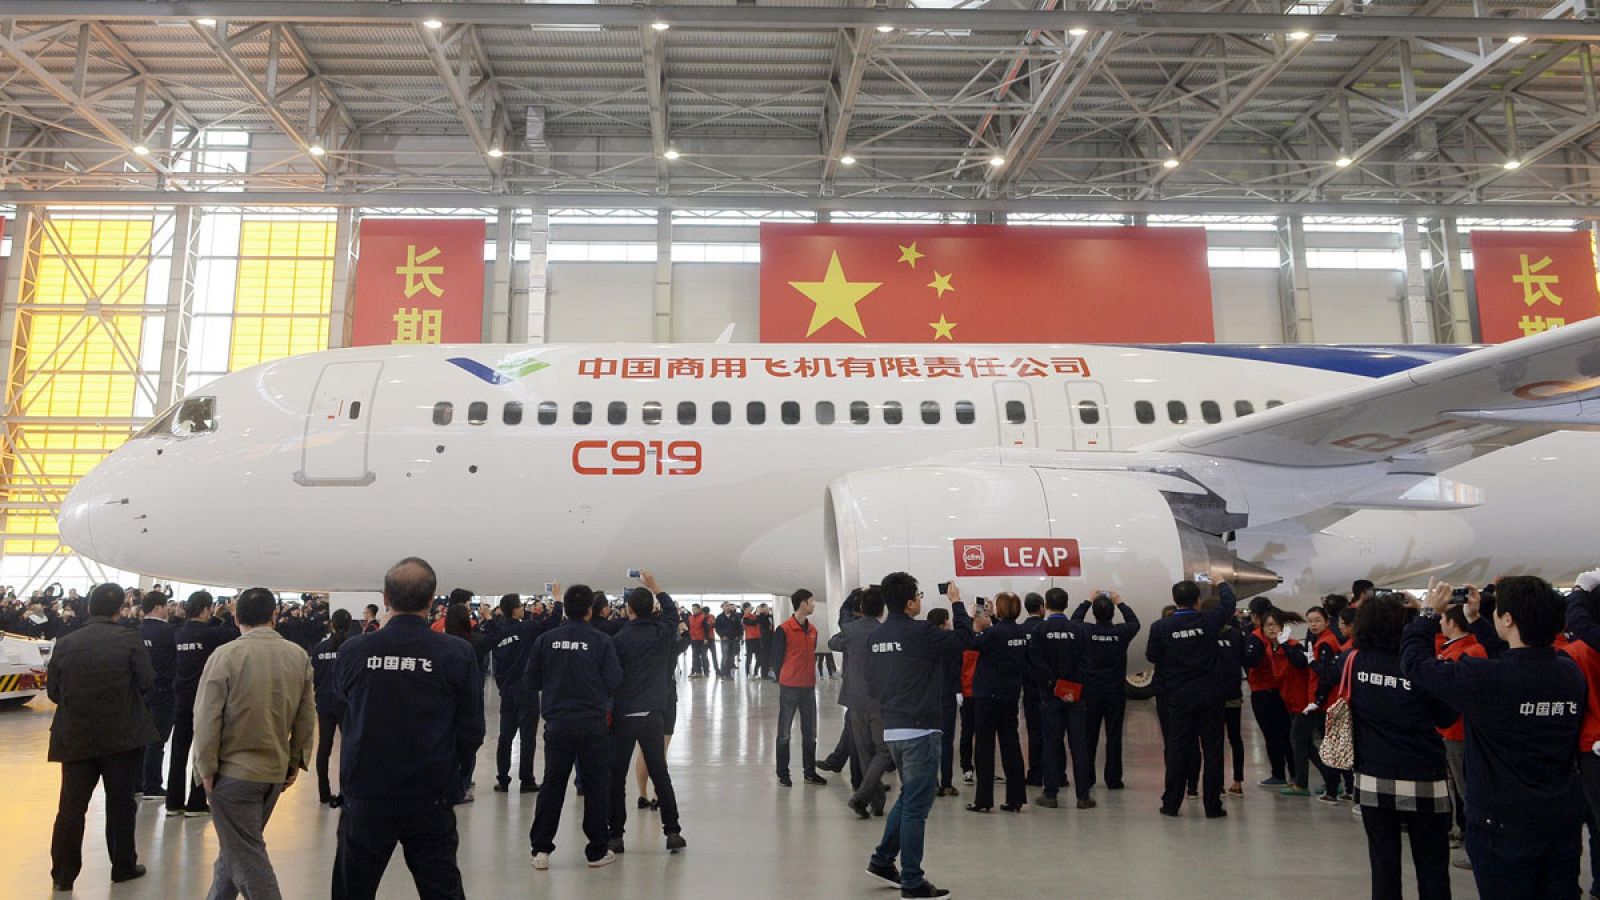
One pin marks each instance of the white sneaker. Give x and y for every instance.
(966, 776)
(606, 860)
(541, 861)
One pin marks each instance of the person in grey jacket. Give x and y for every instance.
(97, 678)
(854, 640)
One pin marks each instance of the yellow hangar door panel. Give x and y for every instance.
(1089, 415)
(337, 426)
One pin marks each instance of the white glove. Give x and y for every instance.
(1589, 580)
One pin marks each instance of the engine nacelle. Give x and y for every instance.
(1033, 528)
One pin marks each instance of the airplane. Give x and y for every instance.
(767, 467)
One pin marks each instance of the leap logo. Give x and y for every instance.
(1048, 557)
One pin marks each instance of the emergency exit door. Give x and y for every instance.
(1015, 414)
(1089, 415)
(338, 424)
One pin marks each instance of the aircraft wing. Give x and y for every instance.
(1428, 418)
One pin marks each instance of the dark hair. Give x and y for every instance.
(461, 595)
(339, 622)
(799, 597)
(1260, 606)
(1185, 594)
(641, 601)
(1057, 599)
(579, 602)
(254, 607)
(1457, 614)
(898, 589)
(1103, 609)
(458, 620)
(1359, 587)
(1379, 622)
(372, 608)
(597, 606)
(1321, 611)
(1347, 618)
(409, 585)
(198, 603)
(872, 602)
(1335, 604)
(1533, 606)
(151, 601)
(106, 599)
(1032, 602)
(1168, 610)
(509, 603)
(1007, 606)
(937, 617)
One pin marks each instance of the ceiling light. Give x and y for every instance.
(141, 150)
(847, 160)
(885, 29)
(1517, 39)
(209, 23)
(1512, 164)
(660, 26)
(671, 153)
(1077, 32)
(1298, 35)
(1343, 162)
(997, 160)
(432, 24)
(316, 150)
(496, 153)
(1171, 162)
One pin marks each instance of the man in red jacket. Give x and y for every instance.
(700, 638)
(794, 649)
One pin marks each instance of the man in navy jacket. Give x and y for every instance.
(163, 650)
(1184, 648)
(646, 648)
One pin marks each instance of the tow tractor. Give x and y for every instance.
(22, 668)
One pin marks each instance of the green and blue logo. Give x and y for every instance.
(512, 368)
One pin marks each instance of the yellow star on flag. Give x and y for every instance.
(835, 298)
(941, 283)
(909, 254)
(943, 329)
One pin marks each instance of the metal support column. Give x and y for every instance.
(1294, 281)
(175, 331)
(499, 330)
(11, 353)
(341, 309)
(537, 298)
(1447, 284)
(662, 330)
(1414, 319)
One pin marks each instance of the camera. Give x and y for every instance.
(1460, 595)
(944, 588)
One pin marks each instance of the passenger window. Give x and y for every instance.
(1144, 412)
(582, 412)
(721, 412)
(930, 412)
(1210, 411)
(892, 413)
(965, 413)
(617, 412)
(651, 413)
(860, 412)
(355, 409)
(824, 412)
(1016, 412)
(1242, 408)
(1274, 404)
(686, 412)
(512, 414)
(1177, 412)
(1088, 412)
(755, 412)
(789, 412)
(547, 412)
(477, 412)
(443, 412)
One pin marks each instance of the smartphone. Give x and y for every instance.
(1202, 578)
(633, 573)
(1105, 594)
(1459, 596)
(549, 586)
(944, 588)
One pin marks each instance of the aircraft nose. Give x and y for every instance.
(73, 520)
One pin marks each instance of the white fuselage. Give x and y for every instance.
(297, 487)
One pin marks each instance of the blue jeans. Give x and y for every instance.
(917, 761)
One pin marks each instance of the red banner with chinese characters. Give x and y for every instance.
(1532, 281)
(1052, 557)
(983, 284)
(419, 281)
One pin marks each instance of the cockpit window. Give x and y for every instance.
(191, 416)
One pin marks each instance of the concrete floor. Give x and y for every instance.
(747, 837)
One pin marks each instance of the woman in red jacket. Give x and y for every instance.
(1262, 662)
(1316, 666)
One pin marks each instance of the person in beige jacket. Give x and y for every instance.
(254, 721)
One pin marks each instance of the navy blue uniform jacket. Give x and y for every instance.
(906, 667)
(1184, 646)
(1105, 661)
(162, 646)
(576, 667)
(647, 649)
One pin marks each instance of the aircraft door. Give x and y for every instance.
(1013, 401)
(1089, 415)
(337, 425)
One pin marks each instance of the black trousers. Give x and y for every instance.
(327, 724)
(845, 749)
(1064, 721)
(947, 735)
(1103, 708)
(1430, 851)
(997, 723)
(1526, 866)
(427, 837)
(1273, 719)
(120, 772)
(969, 729)
(1194, 737)
(519, 714)
(764, 653)
(1589, 769)
(802, 700)
(1033, 724)
(182, 791)
(701, 661)
(1233, 719)
(588, 747)
(730, 656)
(626, 731)
(162, 709)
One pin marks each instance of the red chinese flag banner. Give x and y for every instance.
(419, 281)
(1532, 281)
(983, 284)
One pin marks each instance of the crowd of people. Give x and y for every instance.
(1458, 719)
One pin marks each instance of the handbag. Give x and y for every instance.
(1338, 744)
(1068, 691)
